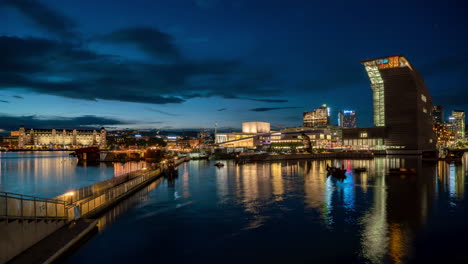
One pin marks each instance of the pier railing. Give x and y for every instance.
(98, 188)
(91, 204)
(19, 206)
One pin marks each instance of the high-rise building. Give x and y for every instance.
(457, 121)
(320, 117)
(347, 119)
(438, 114)
(402, 108)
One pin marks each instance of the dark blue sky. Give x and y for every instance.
(189, 64)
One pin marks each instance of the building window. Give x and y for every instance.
(363, 134)
(423, 98)
(424, 110)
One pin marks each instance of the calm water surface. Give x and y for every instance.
(51, 173)
(290, 212)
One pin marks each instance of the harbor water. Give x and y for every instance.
(290, 212)
(51, 173)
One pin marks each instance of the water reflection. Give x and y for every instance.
(136, 199)
(291, 212)
(399, 204)
(48, 174)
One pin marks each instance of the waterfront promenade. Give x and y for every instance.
(61, 214)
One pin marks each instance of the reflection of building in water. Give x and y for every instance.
(401, 207)
(315, 189)
(124, 168)
(451, 179)
(255, 185)
(113, 213)
(277, 181)
(374, 235)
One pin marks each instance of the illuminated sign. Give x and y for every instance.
(348, 112)
(138, 136)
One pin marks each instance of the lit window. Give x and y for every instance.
(363, 134)
(424, 110)
(423, 98)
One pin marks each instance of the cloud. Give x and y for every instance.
(45, 17)
(221, 109)
(160, 111)
(70, 70)
(8, 122)
(150, 40)
(3, 101)
(264, 109)
(18, 97)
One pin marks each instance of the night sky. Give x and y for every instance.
(188, 64)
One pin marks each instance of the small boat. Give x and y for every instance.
(219, 164)
(336, 172)
(360, 169)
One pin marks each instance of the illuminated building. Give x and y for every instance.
(250, 137)
(457, 121)
(347, 119)
(320, 117)
(437, 114)
(402, 108)
(443, 135)
(255, 127)
(33, 138)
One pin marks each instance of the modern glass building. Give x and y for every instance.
(347, 119)
(438, 114)
(402, 106)
(458, 122)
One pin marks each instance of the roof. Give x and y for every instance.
(366, 60)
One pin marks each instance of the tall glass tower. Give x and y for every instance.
(402, 103)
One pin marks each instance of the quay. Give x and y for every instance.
(41, 230)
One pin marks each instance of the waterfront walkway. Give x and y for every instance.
(78, 212)
(52, 247)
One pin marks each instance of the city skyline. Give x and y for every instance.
(191, 64)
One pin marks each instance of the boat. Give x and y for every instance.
(171, 170)
(360, 169)
(219, 164)
(336, 172)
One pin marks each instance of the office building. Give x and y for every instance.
(320, 117)
(347, 119)
(402, 107)
(438, 114)
(457, 122)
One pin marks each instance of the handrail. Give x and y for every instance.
(19, 206)
(37, 198)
